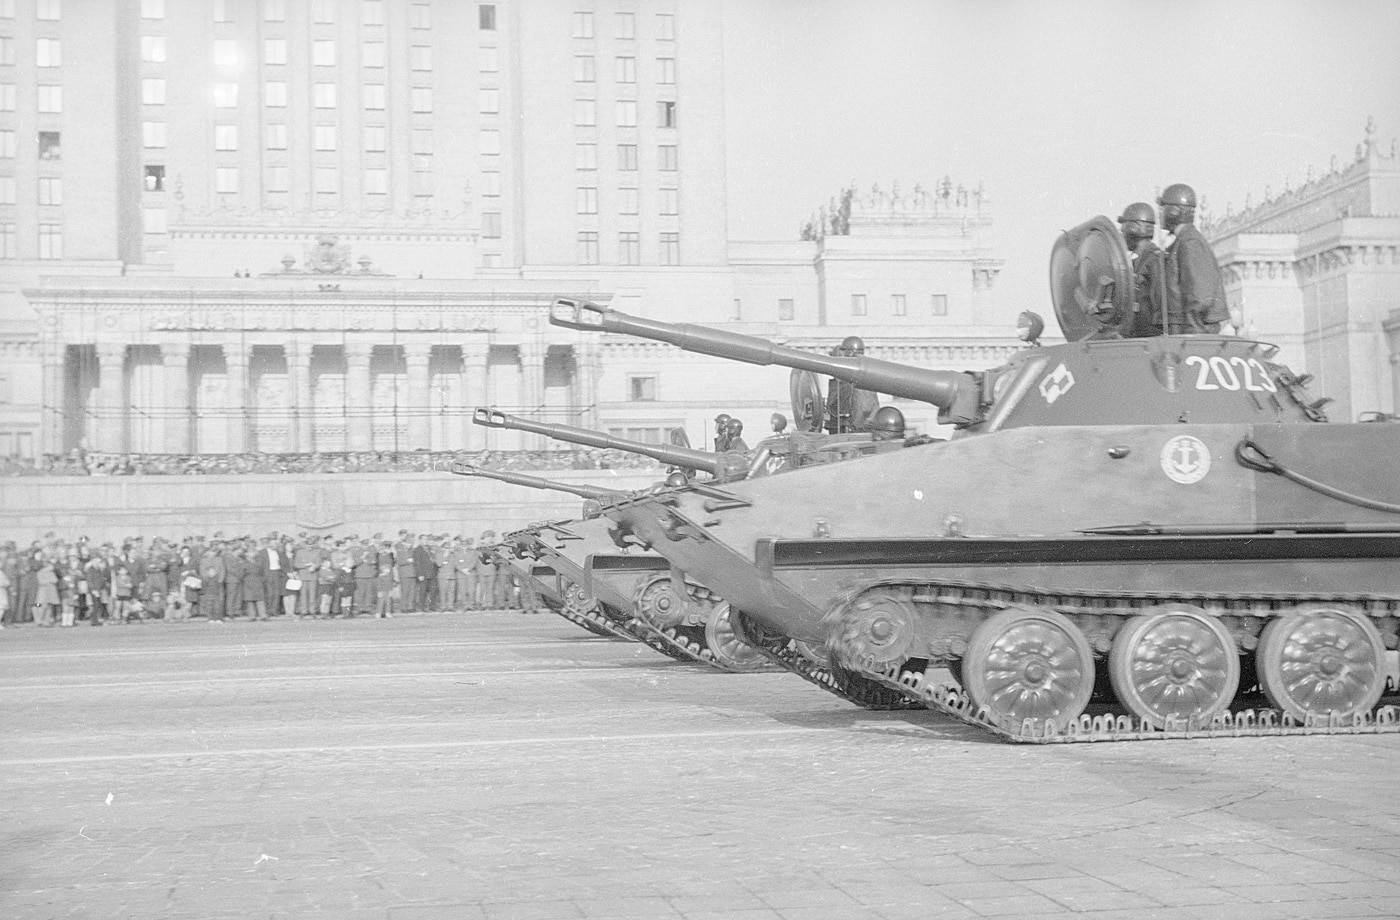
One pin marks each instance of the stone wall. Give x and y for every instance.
(112, 507)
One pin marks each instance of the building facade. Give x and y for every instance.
(327, 225)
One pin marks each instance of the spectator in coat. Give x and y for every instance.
(425, 572)
(255, 583)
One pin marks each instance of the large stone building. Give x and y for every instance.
(325, 225)
(1316, 270)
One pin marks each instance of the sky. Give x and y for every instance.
(1064, 110)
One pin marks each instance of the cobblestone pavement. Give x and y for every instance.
(496, 766)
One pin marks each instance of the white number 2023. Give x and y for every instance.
(1218, 373)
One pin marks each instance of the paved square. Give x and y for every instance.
(504, 766)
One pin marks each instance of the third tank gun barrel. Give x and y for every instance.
(535, 482)
(674, 455)
(956, 394)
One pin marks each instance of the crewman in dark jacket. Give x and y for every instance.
(1195, 289)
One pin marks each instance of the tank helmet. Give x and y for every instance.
(734, 427)
(1178, 194)
(853, 345)
(721, 419)
(1029, 326)
(887, 421)
(676, 479)
(1139, 211)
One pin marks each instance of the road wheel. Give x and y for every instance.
(733, 653)
(1174, 663)
(1029, 664)
(1321, 661)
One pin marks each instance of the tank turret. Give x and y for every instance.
(595, 493)
(725, 465)
(957, 395)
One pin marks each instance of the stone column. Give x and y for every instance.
(111, 397)
(236, 395)
(532, 390)
(475, 358)
(587, 361)
(416, 356)
(358, 396)
(175, 359)
(54, 420)
(299, 379)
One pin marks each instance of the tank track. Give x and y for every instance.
(684, 642)
(596, 624)
(917, 688)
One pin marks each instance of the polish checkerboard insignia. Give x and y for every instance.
(1056, 384)
(1185, 459)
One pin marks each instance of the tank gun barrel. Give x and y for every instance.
(535, 482)
(956, 394)
(674, 455)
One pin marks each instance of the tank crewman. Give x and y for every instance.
(721, 433)
(778, 422)
(1195, 290)
(735, 440)
(1139, 223)
(887, 424)
(847, 407)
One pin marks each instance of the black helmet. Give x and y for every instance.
(721, 419)
(853, 345)
(1178, 194)
(1139, 211)
(676, 479)
(734, 427)
(889, 421)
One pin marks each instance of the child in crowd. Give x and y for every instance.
(121, 594)
(136, 610)
(68, 596)
(345, 589)
(384, 589)
(177, 609)
(325, 589)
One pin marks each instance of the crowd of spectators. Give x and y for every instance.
(92, 463)
(63, 582)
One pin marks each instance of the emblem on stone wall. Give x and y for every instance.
(328, 256)
(320, 506)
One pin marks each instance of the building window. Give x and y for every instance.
(665, 27)
(488, 60)
(50, 241)
(275, 51)
(375, 138)
(665, 114)
(940, 304)
(588, 248)
(7, 51)
(629, 248)
(489, 143)
(50, 147)
(152, 135)
(48, 10)
(323, 95)
(226, 137)
(899, 305)
(422, 97)
(225, 95)
(420, 57)
(226, 180)
(670, 201)
(155, 178)
(226, 53)
(154, 220)
(372, 54)
(324, 137)
(585, 112)
(486, 17)
(279, 178)
(670, 249)
(627, 70)
(153, 92)
(785, 309)
(583, 25)
(420, 16)
(153, 49)
(7, 145)
(323, 53)
(327, 179)
(585, 156)
(857, 304)
(491, 225)
(50, 190)
(665, 70)
(641, 389)
(627, 113)
(372, 12)
(376, 181)
(584, 71)
(421, 142)
(627, 201)
(275, 94)
(48, 53)
(276, 137)
(488, 101)
(627, 157)
(374, 95)
(7, 241)
(626, 25)
(586, 200)
(152, 9)
(666, 158)
(323, 11)
(274, 10)
(51, 99)
(8, 97)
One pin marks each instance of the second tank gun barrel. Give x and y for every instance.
(685, 457)
(956, 394)
(596, 493)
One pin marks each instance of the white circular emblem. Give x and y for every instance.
(1185, 459)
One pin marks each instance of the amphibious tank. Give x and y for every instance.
(636, 594)
(1121, 540)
